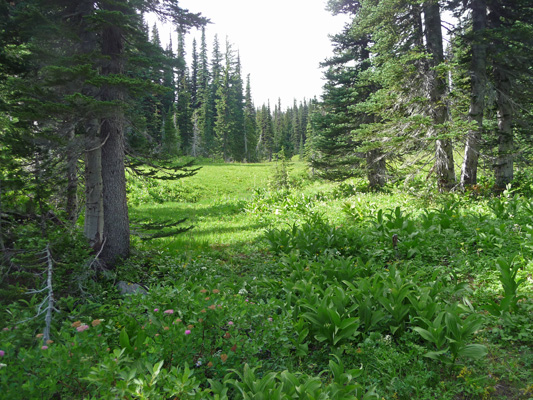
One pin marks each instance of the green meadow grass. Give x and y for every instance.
(236, 209)
(218, 217)
(325, 287)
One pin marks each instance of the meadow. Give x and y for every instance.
(288, 287)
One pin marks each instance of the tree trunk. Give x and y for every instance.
(503, 169)
(436, 90)
(72, 180)
(477, 101)
(376, 169)
(116, 221)
(94, 206)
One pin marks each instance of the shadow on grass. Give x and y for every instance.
(223, 230)
(186, 210)
(219, 224)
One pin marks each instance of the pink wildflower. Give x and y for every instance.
(82, 328)
(2, 353)
(168, 312)
(44, 347)
(230, 323)
(270, 319)
(187, 332)
(156, 309)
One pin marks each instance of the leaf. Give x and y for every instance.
(346, 333)
(437, 355)
(139, 340)
(451, 324)
(474, 351)
(425, 334)
(157, 369)
(348, 323)
(124, 340)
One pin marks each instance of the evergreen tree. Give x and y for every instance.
(201, 120)
(511, 45)
(210, 139)
(265, 128)
(87, 92)
(250, 125)
(223, 122)
(171, 136)
(478, 75)
(493, 42)
(195, 101)
(168, 81)
(237, 133)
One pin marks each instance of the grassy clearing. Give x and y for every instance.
(320, 291)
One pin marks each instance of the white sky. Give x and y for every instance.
(281, 43)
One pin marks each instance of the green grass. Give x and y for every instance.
(305, 286)
(218, 215)
(232, 218)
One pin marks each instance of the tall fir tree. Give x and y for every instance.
(250, 125)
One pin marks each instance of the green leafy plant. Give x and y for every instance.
(449, 332)
(286, 385)
(508, 271)
(330, 318)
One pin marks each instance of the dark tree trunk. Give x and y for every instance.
(94, 206)
(477, 101)
(116, 221)
(376, 169)
(502, 75)
(503, 168)
(72, 181)
(436, 90)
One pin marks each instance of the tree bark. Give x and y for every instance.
(94, 206)
(72, 180)
(376, 169)
(504, 163)
(436, 90)
(116, 221)
(503, 169)
(477, 101)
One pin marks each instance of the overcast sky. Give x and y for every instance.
(281, 42)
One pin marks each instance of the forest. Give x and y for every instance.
(163, 237)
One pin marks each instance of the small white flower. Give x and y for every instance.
(243, 291)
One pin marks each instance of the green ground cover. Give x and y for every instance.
(315, 291)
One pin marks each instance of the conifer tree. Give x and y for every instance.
(94, 91)
(223, 122)
(210, 140)
(168, 82)
(194, 77)
(478, 72)
(250, 125)
(265, 128)
(171, 136)
(237, 134)
(184, 116)
(201, 121)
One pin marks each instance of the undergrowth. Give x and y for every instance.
(323, 291)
